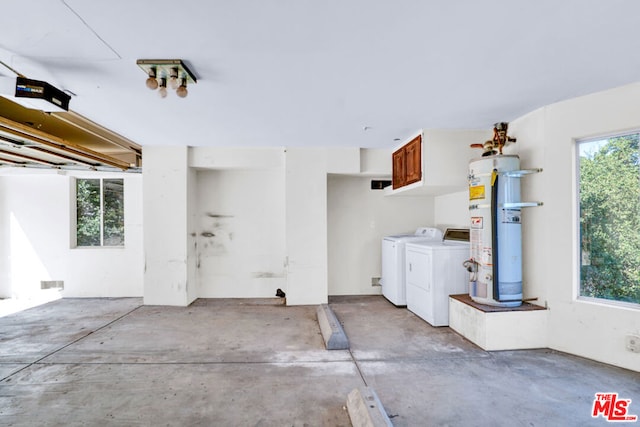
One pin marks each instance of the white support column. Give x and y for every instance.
(166, 233)
(306, 226)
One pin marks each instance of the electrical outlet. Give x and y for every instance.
(633, 343)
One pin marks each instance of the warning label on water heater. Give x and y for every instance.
(510, 216)
(476, 192)
(476, 222)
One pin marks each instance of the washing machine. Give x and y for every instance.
(392, 276)
(434, 271)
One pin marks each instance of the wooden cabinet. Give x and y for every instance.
(407, 163)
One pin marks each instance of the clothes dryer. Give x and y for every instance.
(393, 262)
(434, 271)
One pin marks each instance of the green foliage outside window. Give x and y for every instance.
(113, 212)
(610, 219)
(97, 227)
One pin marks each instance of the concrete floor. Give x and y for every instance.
(233, 363)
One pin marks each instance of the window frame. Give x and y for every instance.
(74, 213)
(577, 217)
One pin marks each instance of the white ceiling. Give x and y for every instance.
(302, 72)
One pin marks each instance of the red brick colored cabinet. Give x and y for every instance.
(399, 171)
(407, 163)
(413, 160)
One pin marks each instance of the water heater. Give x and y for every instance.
(496, 230)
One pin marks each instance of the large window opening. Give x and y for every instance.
(609, 191)
(99, 212)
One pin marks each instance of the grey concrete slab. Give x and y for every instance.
(488, 391)
(226, 331)
(225, 394)
(235, 363)
(34, 333)
(7, 369)
(378, 330)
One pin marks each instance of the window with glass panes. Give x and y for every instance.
(609, 204)
(99, 212)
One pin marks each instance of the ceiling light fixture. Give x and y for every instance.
(171, 72)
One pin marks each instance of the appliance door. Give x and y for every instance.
(419, 276)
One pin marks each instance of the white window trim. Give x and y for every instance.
(577, 242)
(74, 214)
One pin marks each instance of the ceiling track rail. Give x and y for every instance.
(51, 142)
(12, 162)
(75, 163)
(29, 158)
(15, 143)
(32, 146)
(38, 148)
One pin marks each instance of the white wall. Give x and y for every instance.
(546, 138)
(452, 210)
(36, 213)
(358, 218)
(241, 233)
(35, 219)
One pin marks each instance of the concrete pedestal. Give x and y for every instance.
(498, 328)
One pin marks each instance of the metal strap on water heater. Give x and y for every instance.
(513, 205)
(508, 174)
(520, 173)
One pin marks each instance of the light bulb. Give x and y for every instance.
(182, 91)
(173, 78)
(151, 82)
(163, 88)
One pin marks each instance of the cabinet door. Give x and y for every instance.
(413, 160)
(399, 171)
